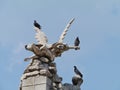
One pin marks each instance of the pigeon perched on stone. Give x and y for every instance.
(77, 41)
(36, 24)
(77, 72)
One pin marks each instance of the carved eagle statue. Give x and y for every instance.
(53, 50)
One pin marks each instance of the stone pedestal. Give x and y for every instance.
(36, 83)
(40, 75)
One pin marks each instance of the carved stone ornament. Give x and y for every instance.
(42, 64)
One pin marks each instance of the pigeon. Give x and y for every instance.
(77, 42)
(77, 72)
(36, 24)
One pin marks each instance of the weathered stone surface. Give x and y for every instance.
(28, 88)
(36, 83)
(42, 79)
(28, 82)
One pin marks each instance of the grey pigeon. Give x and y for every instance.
(77, 41)
(77, 72)
(36, 24)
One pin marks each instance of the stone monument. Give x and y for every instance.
(41, 73)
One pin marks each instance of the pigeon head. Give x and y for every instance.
(35, 21)
(75, 67)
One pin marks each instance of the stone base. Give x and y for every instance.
(36, 83)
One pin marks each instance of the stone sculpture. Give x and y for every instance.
(42, 61)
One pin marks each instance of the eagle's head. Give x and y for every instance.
(29, 47)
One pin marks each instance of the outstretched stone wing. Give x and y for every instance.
(40, 36)
(65, 31)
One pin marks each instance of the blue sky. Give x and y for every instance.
(96, 23)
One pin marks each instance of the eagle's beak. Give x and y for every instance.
(26, 47)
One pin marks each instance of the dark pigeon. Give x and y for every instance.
(77, 42)
(77, 72)
(36, 24)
